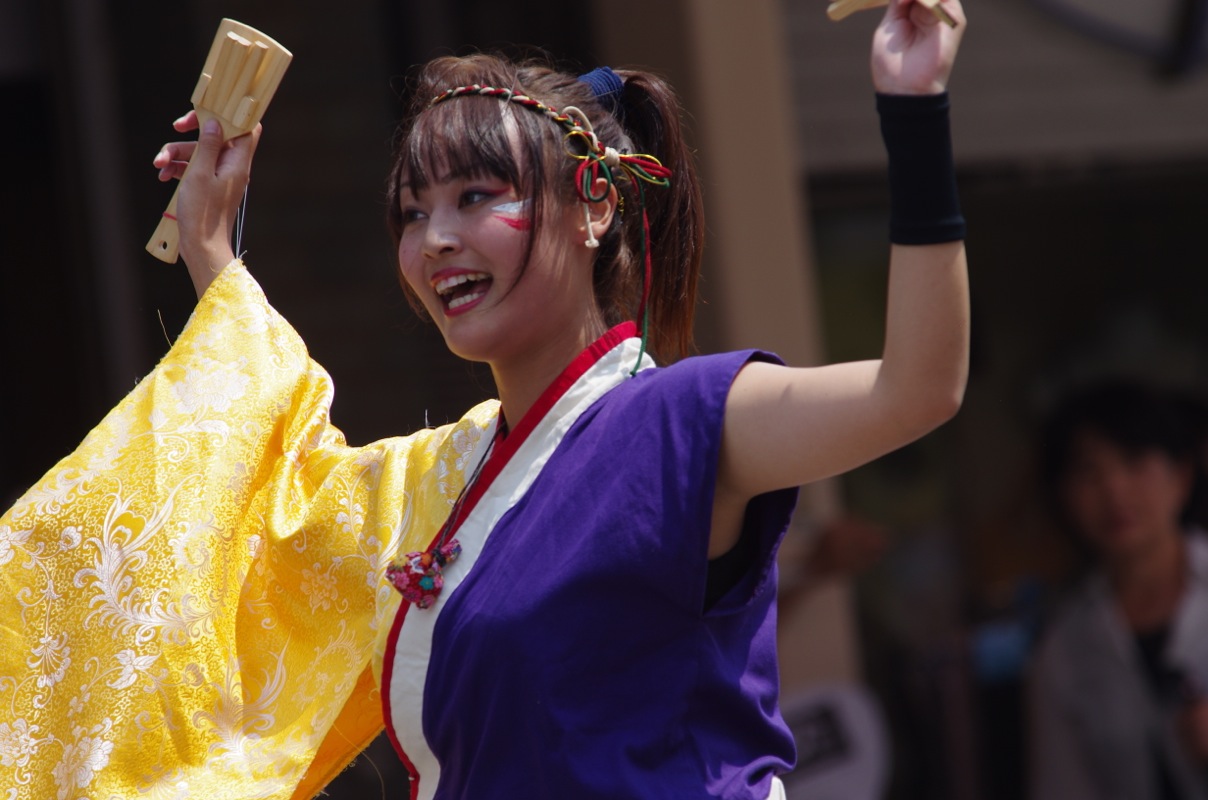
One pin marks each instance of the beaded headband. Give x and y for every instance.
(596, 161)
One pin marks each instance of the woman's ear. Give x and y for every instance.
(599, 214)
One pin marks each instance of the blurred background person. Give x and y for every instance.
(1117, 704)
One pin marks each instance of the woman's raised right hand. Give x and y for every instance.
(912, 51)
(210, 191)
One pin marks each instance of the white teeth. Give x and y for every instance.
(447, 285)
(457, 302)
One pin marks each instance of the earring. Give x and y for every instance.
(592, 241)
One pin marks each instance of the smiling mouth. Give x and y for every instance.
(461, 290)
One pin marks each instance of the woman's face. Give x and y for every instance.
(1123, 503)
(462, 250)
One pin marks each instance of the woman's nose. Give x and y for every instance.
(441, 236)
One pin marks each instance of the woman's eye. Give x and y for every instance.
(411, 215)
(472, 196)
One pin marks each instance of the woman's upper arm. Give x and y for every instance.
(790, 426)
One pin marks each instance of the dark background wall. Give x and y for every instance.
(91, 99)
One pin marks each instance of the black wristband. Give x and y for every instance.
(924, 206)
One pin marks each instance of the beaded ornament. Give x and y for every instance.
(418, 575)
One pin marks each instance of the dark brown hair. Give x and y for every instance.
(466, 137)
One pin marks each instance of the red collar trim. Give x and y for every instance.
(506, 446)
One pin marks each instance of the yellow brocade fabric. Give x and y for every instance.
(189, 602)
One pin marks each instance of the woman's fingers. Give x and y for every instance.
(235, 162)
(186, 123)
(209, 145)
(172, 159)
(227, 160)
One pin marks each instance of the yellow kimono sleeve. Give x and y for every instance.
(189, 601)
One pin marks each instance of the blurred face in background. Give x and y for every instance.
(1124, 502)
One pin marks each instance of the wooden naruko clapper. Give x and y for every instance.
(240, 76)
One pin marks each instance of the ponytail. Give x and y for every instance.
(649, 111)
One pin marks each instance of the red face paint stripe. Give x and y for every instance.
(516, 223)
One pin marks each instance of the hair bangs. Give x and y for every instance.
(459, 140)
(470, 138)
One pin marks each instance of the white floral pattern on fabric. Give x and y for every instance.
(18, 743)
(82, 759)
(189, 601)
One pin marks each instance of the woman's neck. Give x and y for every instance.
(522, 380)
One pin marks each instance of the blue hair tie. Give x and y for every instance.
(606, 85)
